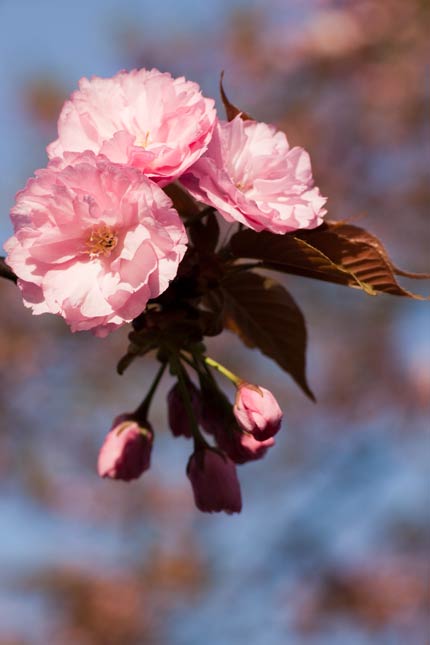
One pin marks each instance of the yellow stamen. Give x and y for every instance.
(143, 143)
(243, 187)
(101, 241)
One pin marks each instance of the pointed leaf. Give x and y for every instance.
(6, 271)
(333, 252)
(264, 315)
(231, 110)
(358, 252)
(289, 254)
(356, 234)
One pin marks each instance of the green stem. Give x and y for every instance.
(223, 370)
(142, 410)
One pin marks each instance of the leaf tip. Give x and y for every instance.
(231, 110)
(307, 390)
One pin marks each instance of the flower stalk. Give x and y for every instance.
(223, 370)
(142, 411)
(178, 370)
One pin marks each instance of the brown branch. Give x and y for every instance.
(6, 272)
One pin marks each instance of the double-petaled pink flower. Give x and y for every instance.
(252, 176)
(142, 118)
(93, 242)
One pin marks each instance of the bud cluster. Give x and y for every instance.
(224, 435)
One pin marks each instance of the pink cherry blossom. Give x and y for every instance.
(142, 118)
(214, 481)
(251, 175)
(257, 411)
(126, 451)
(93, 242)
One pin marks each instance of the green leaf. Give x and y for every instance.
(334, 252)
(264, 315)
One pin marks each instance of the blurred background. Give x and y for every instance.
(333, 543)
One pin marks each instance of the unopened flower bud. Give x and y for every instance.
(217, 419)
(126, 451)
(179, 421)
(257, 411)
(214, 480)
(240, 446)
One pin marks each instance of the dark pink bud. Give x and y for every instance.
(178, 417)
(240, 446)
(126, 451)
(212, 416)
(257, 411)
(214, 480)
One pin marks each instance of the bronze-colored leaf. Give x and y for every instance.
(358, 234)
(264, 315)
(333, 252)
(360, 253)
(231, 110)
(6, 271)
(289, 254)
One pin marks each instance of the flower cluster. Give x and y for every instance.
(95, 235)
(120, 227)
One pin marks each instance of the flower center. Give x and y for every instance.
(243, 187)
(101, 241)
(143, 141)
